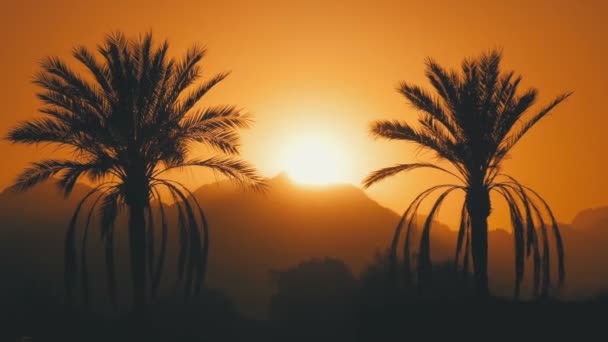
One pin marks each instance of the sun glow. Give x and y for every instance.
(314, 160)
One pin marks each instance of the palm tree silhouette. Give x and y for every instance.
(472, 122)
(134, 118)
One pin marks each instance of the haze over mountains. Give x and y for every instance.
(254, 233)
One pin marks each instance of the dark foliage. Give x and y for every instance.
(471, 122)
(133, 118)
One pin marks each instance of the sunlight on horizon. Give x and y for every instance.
(314, 160)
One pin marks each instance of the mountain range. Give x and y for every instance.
(253, 233)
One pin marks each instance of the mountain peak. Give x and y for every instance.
(590, 217)
(281, 178)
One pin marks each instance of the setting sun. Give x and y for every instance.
(314, 160)
(302, 170)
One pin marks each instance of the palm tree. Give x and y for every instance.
(127, 123)
(471, 122)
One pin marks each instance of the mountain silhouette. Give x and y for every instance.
(254, 233)
(590, 218)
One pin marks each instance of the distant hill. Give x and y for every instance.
(591, 218)
(253, 233)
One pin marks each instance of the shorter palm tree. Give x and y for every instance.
(126, 125)
(472, 122)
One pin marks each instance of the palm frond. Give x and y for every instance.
(424, 255)
(41, 171)
(423, 101)
(381, 174)
(193, 258)
(187, 71)
(72, 85)
(226, 141)
(70, 175)
(559, 244)
(99, 71)
(408, 218)
(193, 98)
(513, 112)
(70, 253)
(516, 135)
(445, 83)
(183, 237)
(150, 241)
(397, 130)
(108, 212)
(220, 117)
(490, 70)
(518, 236)
(163, 246)
(235, 169)
(40, 131)
(462, 231)
(202, 269)
(84, 271)
(542, 268)
(216, 127)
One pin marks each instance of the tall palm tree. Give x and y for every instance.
(471, 122)
(127, 123)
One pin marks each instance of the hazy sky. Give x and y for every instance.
(327, 69)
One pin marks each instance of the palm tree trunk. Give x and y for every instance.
(137, 198)
(137, 244)
(478, 207)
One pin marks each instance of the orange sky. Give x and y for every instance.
(306, 67)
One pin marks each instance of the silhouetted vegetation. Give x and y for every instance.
(472, 121)
(314, 300)
(135, 116)
(126, 124)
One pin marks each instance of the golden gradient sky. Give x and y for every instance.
(331, 67)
